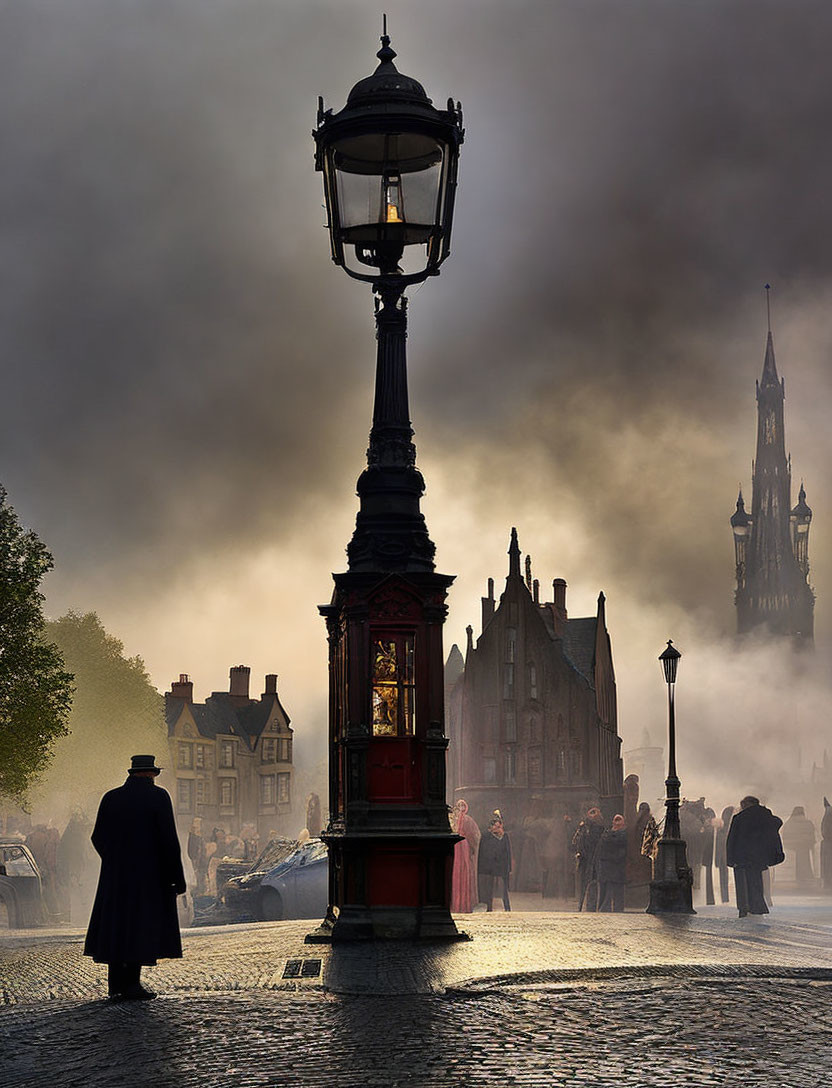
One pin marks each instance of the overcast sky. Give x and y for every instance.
(188, 379)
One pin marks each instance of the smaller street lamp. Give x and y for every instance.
(671, 889)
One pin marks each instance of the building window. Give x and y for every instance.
(535, 732)
(186, 756)
(267, 750)
(561, 763)
(511, 644)
(508, 681)
(267, 785)
(532, 682)
(489, 771)
(203, 791)
(200, 757)
(227, 753)
(228, 792)
(510, 764)
(284, 748)
(283, 782)
(394, 685)
(510, 724)
(185, 795)
(535, 767)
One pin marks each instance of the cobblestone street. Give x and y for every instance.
(545, 999)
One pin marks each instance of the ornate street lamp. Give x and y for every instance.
(389, 161)
(672, 883)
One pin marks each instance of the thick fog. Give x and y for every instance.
(188, 379)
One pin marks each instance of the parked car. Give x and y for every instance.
(294, 885)
(238, 887)
(21, 888)
(299, 886)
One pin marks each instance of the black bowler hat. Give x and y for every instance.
(143, 763)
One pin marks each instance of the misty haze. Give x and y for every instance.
(188, 391)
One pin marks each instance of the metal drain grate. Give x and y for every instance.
(302, 968)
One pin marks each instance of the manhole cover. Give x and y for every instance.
(302, 968)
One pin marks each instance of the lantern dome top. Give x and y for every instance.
(802, 510)
(740, 519)
(387, 83)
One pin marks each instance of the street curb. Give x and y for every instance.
(498, 984)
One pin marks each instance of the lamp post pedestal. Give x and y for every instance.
(671, 889)
(390, 845)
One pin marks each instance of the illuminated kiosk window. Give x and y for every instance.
(394, 686)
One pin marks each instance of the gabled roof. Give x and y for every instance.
(220, 713)
(579, 646)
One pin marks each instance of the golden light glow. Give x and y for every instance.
(393, 214)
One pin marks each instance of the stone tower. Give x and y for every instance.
(771, 544)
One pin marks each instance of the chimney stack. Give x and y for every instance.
(488, 604)
(559, 605)
(271, 684)
(183, 688)
(238, 681)
(536, 591)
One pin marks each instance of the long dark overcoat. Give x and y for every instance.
(754, 839)
(134, 918)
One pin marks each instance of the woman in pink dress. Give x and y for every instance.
(464, 879)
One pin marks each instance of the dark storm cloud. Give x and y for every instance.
(185, 369)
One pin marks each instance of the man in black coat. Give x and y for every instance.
(585, 845)
(753, 845)
(134, 920)
(493, 862)
(611, 866)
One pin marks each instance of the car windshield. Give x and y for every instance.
(15, 862)
(314, 850)
(276, 850)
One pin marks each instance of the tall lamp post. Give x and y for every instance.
(671, 889)
(389, 162)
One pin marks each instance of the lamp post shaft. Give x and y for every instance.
(390, 530)
(390, 438)
(672, 827)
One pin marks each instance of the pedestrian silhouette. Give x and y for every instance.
(753, 844)
(134, 919)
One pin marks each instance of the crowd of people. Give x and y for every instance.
(606, 865)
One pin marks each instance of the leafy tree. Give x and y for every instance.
(116, 712)
(35, 688)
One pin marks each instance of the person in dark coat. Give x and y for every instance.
(611, 863)
(753, 845)
(584, 845)
(799, 838)
(493, 862)
(826, 846)
(721, 827)
(134, 919)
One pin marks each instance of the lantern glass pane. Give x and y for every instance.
(388, 187)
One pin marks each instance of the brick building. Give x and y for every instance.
(532, 713)
(230, 757)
